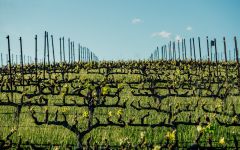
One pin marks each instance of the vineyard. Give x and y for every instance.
(167, 102)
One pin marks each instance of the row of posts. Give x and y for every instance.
(84, 54)
(177, 51)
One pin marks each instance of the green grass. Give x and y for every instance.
(44, 134)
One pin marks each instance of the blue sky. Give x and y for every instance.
(123, 29)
